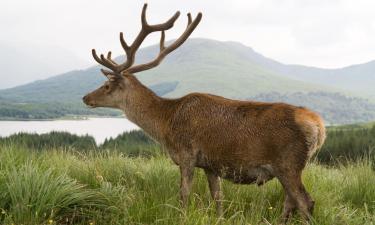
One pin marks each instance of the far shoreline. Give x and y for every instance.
(73, 117)
(99, 127)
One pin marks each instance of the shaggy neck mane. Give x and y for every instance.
(147, 110)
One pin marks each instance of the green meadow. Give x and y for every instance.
(130, 180)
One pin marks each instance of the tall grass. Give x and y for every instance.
(67, 187)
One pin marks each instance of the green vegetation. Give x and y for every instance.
(51, 186)
(52, 140)
(348, 143)
(132, 144)
(52, 110)
(60, 178)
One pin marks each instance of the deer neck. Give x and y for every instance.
(147, 110)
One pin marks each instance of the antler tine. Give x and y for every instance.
(157, 27)
(143, 16)
(164, 26)
(109, 57)
(189, 18)
(146, 30)
(127, 50)
(93, 52)
(162, 38)
(108, 63)
(124, 45)
(192, 24)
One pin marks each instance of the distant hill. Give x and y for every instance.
(221, 68)
(359, 78)
(225, 68)
(198, 65)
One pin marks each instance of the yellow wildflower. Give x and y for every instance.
(99, 178)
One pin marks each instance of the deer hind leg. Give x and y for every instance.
(294, 188)
(288, 209)
(187, 174)
(215, 189)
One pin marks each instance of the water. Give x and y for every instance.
(99, 128)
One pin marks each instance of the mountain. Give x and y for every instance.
(358, 79)
(26, 62)
(225, 68)
(199, 65)
(215, 67)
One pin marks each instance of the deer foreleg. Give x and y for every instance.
(215, 189)
(187, 174)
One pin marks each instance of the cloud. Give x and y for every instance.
(323, 33)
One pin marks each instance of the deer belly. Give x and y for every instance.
(239, 174)
(255, 175)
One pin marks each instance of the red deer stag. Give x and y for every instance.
(242, 141)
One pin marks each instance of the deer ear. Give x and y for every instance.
(112, 77)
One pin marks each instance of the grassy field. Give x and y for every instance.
(67, 187)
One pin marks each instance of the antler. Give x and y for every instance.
(130, 51)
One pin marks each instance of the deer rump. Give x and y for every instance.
(244, 141)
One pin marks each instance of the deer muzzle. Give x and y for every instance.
(86, 99)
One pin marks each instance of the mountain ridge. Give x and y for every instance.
(229, 69)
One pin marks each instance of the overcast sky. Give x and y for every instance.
(323, 33)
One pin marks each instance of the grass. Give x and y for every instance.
(66, 187)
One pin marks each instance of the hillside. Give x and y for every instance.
(355, 78)
(201, 65)
(215, 67)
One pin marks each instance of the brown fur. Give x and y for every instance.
(243, 141)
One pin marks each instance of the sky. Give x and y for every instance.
(321, 33)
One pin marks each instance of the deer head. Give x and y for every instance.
(121, 83)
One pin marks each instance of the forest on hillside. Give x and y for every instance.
(48, 111)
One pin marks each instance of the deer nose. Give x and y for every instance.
(85, 98)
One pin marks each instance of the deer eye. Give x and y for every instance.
(106, 87)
